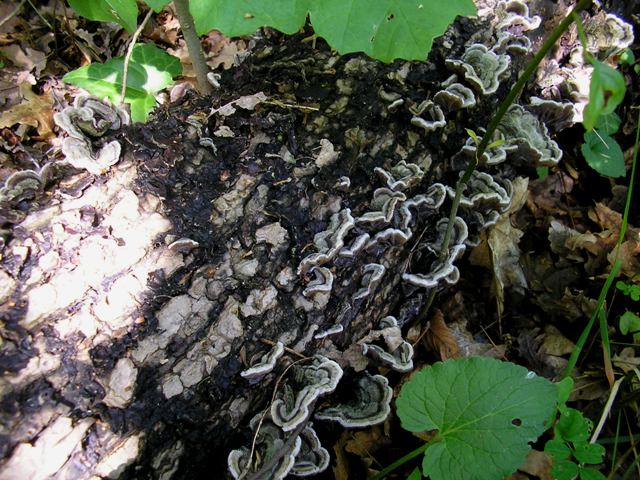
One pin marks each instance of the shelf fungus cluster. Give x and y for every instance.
(90, 118)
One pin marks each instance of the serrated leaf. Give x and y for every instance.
(632, 291)
(157, 5)
(564, 470)
(603, 154)
(586, 452)
(591, 474)
(606, 91)
(150, 70)
(573, 426)
(123, 12)
(386, 29)
(244, 17)
(609, 123)
(486, 412)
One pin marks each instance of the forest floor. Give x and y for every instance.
(565, 232)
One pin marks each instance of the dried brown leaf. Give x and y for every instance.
(440, 338)
(34, 110)
(538, 464)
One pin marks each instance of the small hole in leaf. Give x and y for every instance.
(516, 421)
(372, 39)
(390, 17)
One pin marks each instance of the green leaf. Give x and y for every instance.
(244, 17)
(603, 154)
(564, 470)
(558, 449)
(591, 474)
(542, 172)
(383, 29)
(630, 323)
(150, 70)
(627, 57)
(572, 426)
(609, 123)
(473, 135)
(386, 29)
(486, 412)
(606, 91)
(565, 387)
(123, 12)
(586, 452)
(415, 474)
(157, 5)
(632, 291)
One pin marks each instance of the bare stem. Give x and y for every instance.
(193, 45)
(127, 57)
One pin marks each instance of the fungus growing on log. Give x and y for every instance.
(369, 403)
(372, 274)
(435, 116)
(312, 458)
(524, 130)
(265, 365)
(401, 176)
(454, 97)
(90, 117)
(270, 443)
(383, 206)
(481, 67)
(303, 387)
(328, 242)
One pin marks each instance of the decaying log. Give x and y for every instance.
(132, 300)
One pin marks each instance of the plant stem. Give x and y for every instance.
(387, 470)
(127, 57)
(193, 46)
(493, 126)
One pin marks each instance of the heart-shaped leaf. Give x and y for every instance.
(486, 412)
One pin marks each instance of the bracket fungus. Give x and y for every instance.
(524, 130)
(270, 442)
(435, 116)
(554, 115)
(373, 273)
(608, 35)
(266, 364)
(401, 176)
(383, 206)
(303, 387)
(481, 67)
(455, 97)
(328, 242)
(312, 458)
(398, 354)
(369, 403)
(492, 156)
(322, 283)
(484, 191)
(514, 14)
(90, 118)
(510, 43)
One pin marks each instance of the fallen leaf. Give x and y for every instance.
(440, 338)
(364, 443)
(538, 464)
(341, 467)
(29, 59)
(34, 110)
(626, 360)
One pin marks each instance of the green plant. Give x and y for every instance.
(570, 448)
(485, 412)
(385, 30)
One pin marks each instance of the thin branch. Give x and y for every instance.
(12, 14)
(127, 57)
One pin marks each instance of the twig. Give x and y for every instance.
(193, 45)
(127, 57)
(46, 22)
(271, 343)
(286, 446)
(606, 410)
(12, 14)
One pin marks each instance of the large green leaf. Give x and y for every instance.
(383, 29)
(123, 12)
(386, 29)
(150, 70)
(486, 411)
(157, 5)
(243, 17)
(603, 154)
